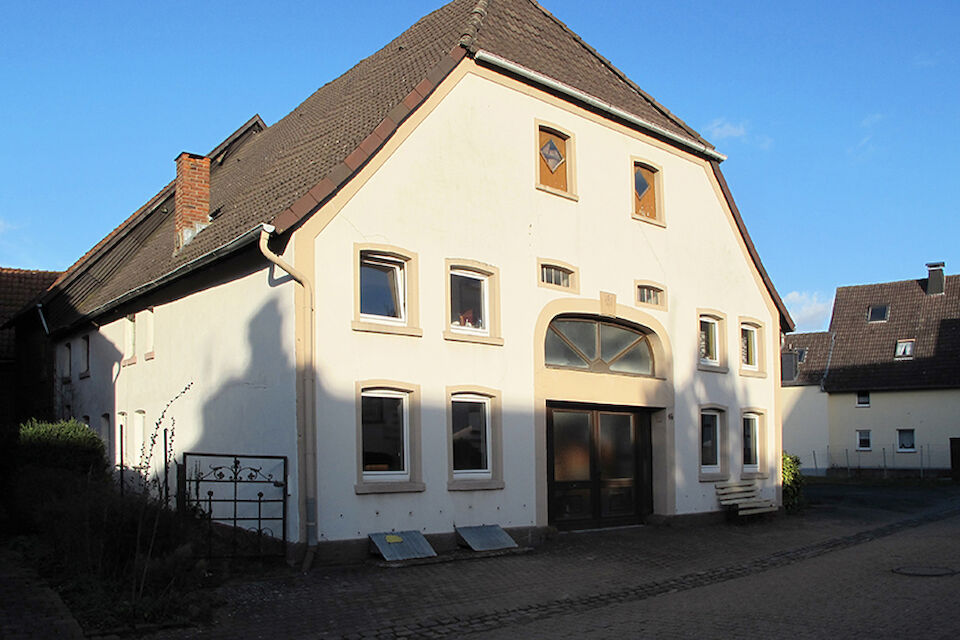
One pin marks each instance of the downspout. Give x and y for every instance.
(307, 423)
(43, 321)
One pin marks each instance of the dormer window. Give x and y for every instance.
(904, 350)
(801, 354)
(878, 313)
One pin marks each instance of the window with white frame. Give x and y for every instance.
(148, 329)
(709, 341)
(382, 287)
(130, 338)
(749, 357)
(385, 434)
(906, 440)
(469, 302)
(710, 441)
(878, 313)
(470, 423)
(751, 442)
(557, 276)
(864, 440)
(904, 350)
(863, 398)
(651, 295)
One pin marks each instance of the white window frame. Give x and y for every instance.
(712, 468)
(860, 401)
(912, 449)
(908, 344)
(886, 315)
(399, 266)
(755, 419)
(389, 476)
(859, 433)
(486, 315)
(478, 474)
(715, 329)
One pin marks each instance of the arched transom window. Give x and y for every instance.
(601, 346)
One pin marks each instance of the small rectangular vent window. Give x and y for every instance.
(879, 313)
(558, 276)
(648, 294)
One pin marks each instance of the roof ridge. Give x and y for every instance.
(18, 270)
(474, 21)
(620, 74)
(880, 284)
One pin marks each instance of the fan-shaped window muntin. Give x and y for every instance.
(599, 346)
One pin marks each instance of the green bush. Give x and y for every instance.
(68, 444)
(792, 483)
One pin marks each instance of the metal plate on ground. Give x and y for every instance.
(488, 537)
(402, 545)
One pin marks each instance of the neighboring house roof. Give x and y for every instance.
(859, 355)
(863, 353)
(815, 350)
(281, 174)
(17, 288)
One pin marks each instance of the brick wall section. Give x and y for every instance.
(192, 193)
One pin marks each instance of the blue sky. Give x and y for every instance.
(841, 120)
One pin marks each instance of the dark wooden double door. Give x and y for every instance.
(598, 465)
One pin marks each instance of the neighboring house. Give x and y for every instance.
(29, 392)
(880, 389)
(513, 289)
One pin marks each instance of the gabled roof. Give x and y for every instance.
(863, 352)
(281, 174)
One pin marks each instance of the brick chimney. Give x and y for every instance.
(934, 278)
(191, 211)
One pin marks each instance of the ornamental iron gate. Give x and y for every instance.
(242, 498)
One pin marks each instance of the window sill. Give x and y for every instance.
(713, 477)
(149, 355)
(863, 406)
(713, 368)
(376, 327)
(754, 475)
(84, 374)
(654, 221)
(128, 361)
(864, 449)
(753, 373)
(558, 192)
(466, 337)
(906, 450)
(364, 488)
(475, 484)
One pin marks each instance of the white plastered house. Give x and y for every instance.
(481, 278)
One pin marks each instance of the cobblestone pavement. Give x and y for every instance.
(646, 581)
(29, 609)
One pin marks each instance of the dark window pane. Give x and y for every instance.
(750, 440)
(382, 420)
(614, 339)
(709, 450)
(469, 436)
(379, 289)
(616, 446)
(708, 340)
(571, 446)
(878, 312)
(466, 302)
(640, 184)
(551, 155)
(906, 439)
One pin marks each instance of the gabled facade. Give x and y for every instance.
(503, 287)
(881, 389)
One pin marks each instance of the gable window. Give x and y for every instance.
(650, 294)
(555, 161)
(904, 350)
(385, 290)
(864, 440)
(473, 302)
(863, 398)
(906, 440)
(646, 196)
(388, 437)
(878, 313)
(599, 346)
(711, 345)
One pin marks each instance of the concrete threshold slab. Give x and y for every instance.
(459, 555)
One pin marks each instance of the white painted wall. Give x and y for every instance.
(462, 186)
(234, 342)
(806, 427)
(934, 416)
